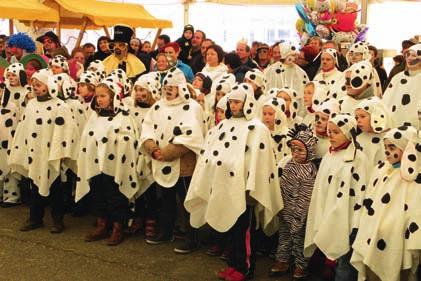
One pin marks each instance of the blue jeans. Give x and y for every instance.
(344, 270)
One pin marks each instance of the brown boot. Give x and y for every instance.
(135, 227)
(279, 268)
(100, 232)
(299, 273)
(117, 235)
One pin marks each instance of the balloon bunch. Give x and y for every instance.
(329, 19)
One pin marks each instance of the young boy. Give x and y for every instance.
(46, 141)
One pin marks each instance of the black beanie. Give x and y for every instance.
(188, 27)
(207, 82)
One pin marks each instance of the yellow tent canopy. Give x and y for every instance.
(27, 10)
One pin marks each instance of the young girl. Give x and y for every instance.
(58, 65)
(314, 94)
(9, 116)
(297, 181)
(172, 134)
(185, 43)
(323, 113)
(222, 88)
(291, 104)
(98, 68)
(337, 197)
(107, 163)
(86, 86)
(373, 120)
(45, 142)
(256, 80)
(227, 192)
(274, 118)
(359, 86)
(381, 248)
(17, 89)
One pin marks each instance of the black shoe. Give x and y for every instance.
(186, 247)
(160, 239)
(8, 204)
(57, 227)
(31, 225)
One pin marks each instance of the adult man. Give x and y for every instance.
(196, 43)
(160, 43)
(172, 49)
(243, 51)
(121, 58)
(50, 42)
(199, 61)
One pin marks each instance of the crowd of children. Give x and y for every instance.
(273, 161)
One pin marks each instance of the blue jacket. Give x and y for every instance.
(188, 72)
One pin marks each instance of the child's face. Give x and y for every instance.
(13, 79)
(355, 57)
(336, 136)
(146, 47)
(269, 117)
(236, 107)
(83, 90)
(218, 96)
(103, 97)
(363, 120)
(393, 153)
(349, 90)
(298, 151)
(170, 92)
(286, 98)
(188, 34)
(29, 70)
(197, 83)
(308, 95)
(212, 57)
(56, 69)
(320, 123)
(38, 88)
(201, 100)
(141, 94)
(220, 113)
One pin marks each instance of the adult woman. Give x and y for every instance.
(214, 67)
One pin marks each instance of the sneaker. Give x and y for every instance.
(299, 273)
(213, 251)
(31, 225)
(187, 247)
(279, 268)
(225, 272)
(160, 239)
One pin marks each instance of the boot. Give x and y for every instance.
(135, 227)
(100, 232)
(57, 227)
(117, 235)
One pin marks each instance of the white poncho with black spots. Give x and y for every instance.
(8, 121)
(109, 145)
(45, 138)
(238, 158)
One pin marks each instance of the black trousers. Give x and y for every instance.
(55, 199)
(147, 204)
(108, 201)
(168, 213)
(243, 252)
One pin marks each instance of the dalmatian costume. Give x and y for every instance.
(46, 138)
(59, 61)
(292, 112)
(18, 95)
(9, 117)
(361, 76)
(333, 79)
(180, 122)
(328, 107)
(320, 95)
(280, 75)
(337, 196)
(98, 68)
(109, 145)
(383, 245)
(253, 171)
(280, 132)
(119, 77)
(87, 77)
(257, 78)
(402, 94)
(362, 47)
(380, 121)
(223, 85)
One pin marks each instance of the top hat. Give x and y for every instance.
(123, 33)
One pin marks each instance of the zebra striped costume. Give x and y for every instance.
(297, 182)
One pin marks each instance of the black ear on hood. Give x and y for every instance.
(6, 95)
(228, 112)
(22, 78)
(93, 103)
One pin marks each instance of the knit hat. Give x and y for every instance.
(361, 74)
(244, 93)
(59, 61)
(380, 119)
(304, 134)
(310, 53)
(405, 138)
(188, 27)
(44, 76)
(257, 77)
(207, 82)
